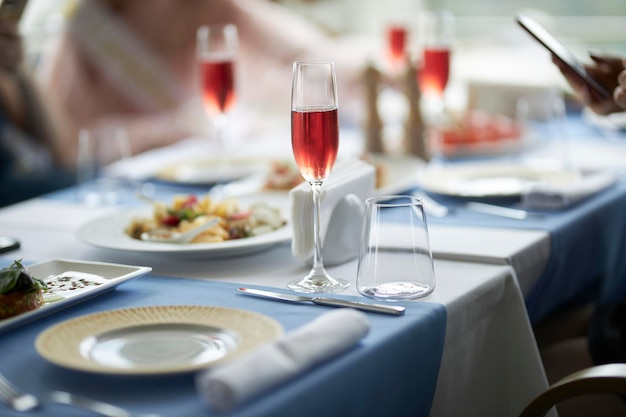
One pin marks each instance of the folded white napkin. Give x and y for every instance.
(325, 337)
(341, 216)
(559, 196)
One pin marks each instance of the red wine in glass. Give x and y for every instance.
(396, 43)
(435, 70)
(216, 52)
(218, 85)
(315, 141)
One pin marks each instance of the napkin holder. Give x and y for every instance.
(341, 213)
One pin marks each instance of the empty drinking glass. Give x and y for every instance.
(395, 260)
(100, 152)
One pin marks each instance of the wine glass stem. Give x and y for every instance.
(439, 119)
(440, 106)
(318, 263)
(219, 122)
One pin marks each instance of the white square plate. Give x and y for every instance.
(108, 277)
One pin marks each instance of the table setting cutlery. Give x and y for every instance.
(432, 207)
(436, 209)
(326, 301)
(511, 213)
(23, 401)
(99, 407)
(14, 398)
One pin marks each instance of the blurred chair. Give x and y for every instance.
(601, 379)
(579, 385)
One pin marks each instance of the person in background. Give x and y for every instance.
(132, 63)
(29, 162)
(610, 72)
(596, 332)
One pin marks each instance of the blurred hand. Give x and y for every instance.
(619, 94)
(11, 53)
(605, 69)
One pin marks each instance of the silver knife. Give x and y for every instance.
(497, 210)
(325, 301)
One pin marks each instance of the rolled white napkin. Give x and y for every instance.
(342, 198)
(329, 335)
(559, 196)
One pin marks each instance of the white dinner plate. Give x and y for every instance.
(155, 340)
(208, 171)
(475, 180)
(394, 173)
(101, 277)
(108, 233)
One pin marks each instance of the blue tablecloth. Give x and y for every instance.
(587, 241)
(587, 246)
(392, 372)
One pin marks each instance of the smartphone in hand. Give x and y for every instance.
(8, 244)
(557, 49)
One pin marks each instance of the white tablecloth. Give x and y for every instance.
(490, 363)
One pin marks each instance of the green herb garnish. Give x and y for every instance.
(17, 278)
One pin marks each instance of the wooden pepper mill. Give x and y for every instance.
(414, 128)
(373, 125)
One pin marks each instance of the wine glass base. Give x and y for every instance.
(318, 284)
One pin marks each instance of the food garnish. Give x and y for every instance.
(188, 212)
(19, 290)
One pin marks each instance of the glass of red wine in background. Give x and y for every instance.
(216, 54)
(397, 37)
(315, 143)
(434, 71)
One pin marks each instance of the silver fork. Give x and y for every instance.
(15, 399)
(105, 409)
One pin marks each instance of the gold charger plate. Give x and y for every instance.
(155, 340)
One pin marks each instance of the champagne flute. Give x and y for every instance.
(216, 51)
(437, 35)
(396, 34)
(436, 50)
(315, 142)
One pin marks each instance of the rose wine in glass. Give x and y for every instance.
(434, 71)
(396, 45)
(216, 52)
(218, 85)
(315, 142)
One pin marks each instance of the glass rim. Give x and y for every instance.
(314, 62)
(207, 26)
(381, 200)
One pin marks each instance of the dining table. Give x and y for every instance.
(465, 349)
(578, 260)
(561, 257)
